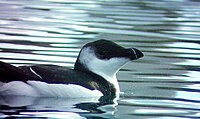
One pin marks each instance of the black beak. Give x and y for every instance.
(135, 53)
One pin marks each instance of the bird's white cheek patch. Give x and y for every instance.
(63, 90)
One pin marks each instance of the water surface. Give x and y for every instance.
(164, 84)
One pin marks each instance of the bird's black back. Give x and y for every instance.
(55, 75)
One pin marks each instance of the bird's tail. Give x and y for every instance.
(9, 73)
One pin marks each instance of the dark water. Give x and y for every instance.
(165, 84)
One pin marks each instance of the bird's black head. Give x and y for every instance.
(105, 49)
(102, 55)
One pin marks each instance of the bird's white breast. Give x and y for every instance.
(42, 89)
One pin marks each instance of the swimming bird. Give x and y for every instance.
(93, 75)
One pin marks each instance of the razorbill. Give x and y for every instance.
(94, 74)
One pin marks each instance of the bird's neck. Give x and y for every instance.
(110, 77)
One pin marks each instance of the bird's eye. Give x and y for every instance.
(102, 55)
